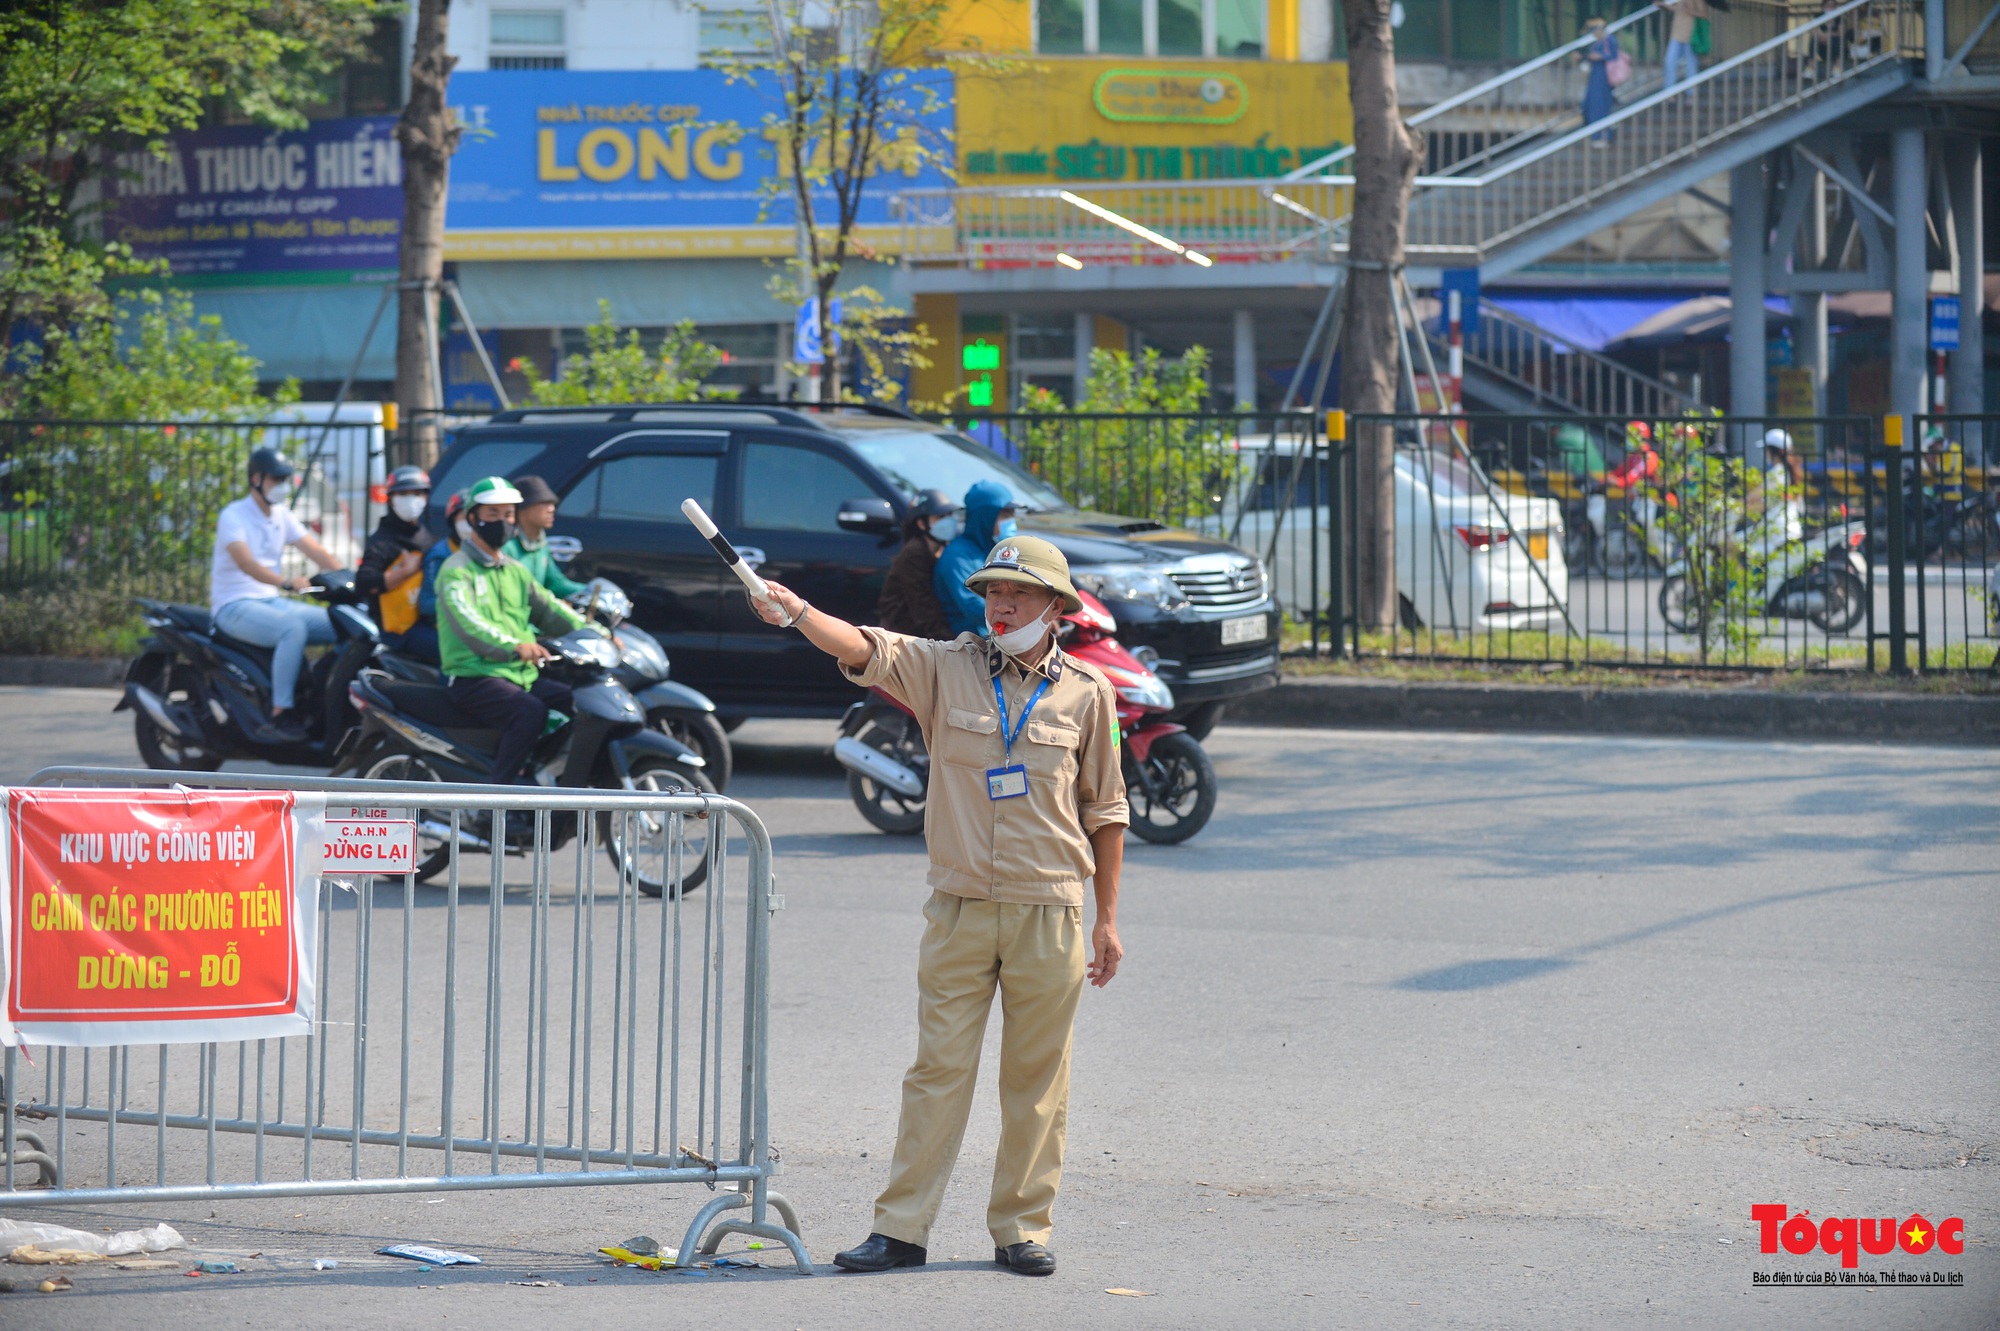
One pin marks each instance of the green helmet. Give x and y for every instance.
(492, 490)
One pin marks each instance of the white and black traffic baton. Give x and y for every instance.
(747, 575)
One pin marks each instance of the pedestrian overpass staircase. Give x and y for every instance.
(1508, 180)
(1512, 364)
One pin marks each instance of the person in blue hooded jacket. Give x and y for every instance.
(989, 516)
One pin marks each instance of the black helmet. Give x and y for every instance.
(409, 480)
(270, 462)
(933, 504)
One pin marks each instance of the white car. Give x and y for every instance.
(1464, 561)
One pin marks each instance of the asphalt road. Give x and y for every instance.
(1424, 1030)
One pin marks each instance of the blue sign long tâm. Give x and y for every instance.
(666, 163)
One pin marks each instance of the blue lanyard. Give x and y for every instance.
(1008, 737)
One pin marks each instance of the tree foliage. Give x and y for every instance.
(616, 367)
(151, 360)
(94, 513)
(83, 79)
(1711, 503)
(1137, 442)
(855, 103)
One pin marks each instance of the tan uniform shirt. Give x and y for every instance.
(1033, 850)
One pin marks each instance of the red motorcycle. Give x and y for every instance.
(1169, 781)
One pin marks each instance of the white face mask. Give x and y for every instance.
(408, 507)
(277, 494)
(1020, 641)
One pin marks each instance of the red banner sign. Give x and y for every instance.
(140, 917)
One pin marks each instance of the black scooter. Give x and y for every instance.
(672, 708)
(201, 697)
(414, 731)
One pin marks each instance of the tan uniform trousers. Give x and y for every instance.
(1035, 954)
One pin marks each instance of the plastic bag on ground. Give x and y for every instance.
(18, 1233)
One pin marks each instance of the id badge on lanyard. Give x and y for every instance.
(1011, 782)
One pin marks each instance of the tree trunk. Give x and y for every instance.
(429, 136)
(1385, 170)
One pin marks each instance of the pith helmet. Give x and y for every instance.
(1032, 562)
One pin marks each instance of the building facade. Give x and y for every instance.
(608, 159)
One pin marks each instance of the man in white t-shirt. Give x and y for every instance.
(244, 584)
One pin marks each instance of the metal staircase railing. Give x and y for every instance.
(1535, 172)
(1585, 166)
(1534, 87)
(1543, 372)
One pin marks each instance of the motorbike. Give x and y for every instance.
(1822, 577)
(413, 731)
(1611, 521)
(673, 709)
(1169, 782)
(1625, 536)
(200, 697)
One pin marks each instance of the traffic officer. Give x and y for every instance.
(1026, 803)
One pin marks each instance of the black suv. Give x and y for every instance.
(816, 499)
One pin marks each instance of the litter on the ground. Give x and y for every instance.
(417, 1252)
(644, 1244)
(324, 1264)
(56, 1285)
(1131, 1293)
(625, 1255)
(737, 1262)
(146, 1264)
(17, 1233)
(29, 1254)
(218, 1268)
(537, 1284)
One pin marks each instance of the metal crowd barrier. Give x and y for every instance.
(600, 1038)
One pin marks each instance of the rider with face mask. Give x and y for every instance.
(909, 602)
(989, 517)
(490, 611)
(391, 569)
(245, 584)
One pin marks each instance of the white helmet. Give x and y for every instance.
(1778, 439)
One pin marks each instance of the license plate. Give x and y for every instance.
(1538, 544)
(1250, 628)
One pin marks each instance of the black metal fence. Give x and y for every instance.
(1672, 542)
(1684, 541)
(93, 513)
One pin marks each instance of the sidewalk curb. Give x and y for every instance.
(1557, 709)
(73, 672)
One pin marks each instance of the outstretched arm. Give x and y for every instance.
(836, 637)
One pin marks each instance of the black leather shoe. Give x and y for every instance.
(1028, 1259)
(879, 1252)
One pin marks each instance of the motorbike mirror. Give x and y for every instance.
(872, 516)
